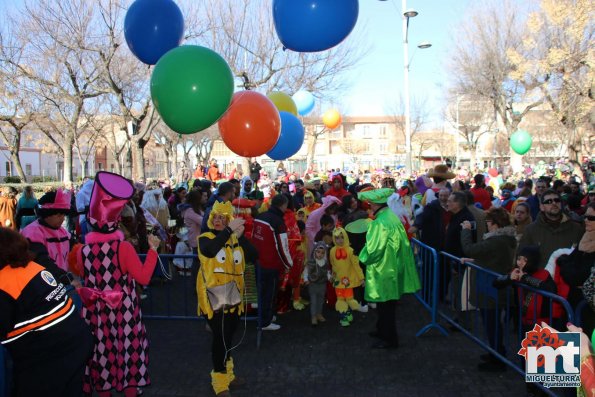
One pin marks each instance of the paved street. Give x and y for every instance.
(302, 361)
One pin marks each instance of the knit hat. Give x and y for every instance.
(53, 203)
(110, 194)
(531, 252)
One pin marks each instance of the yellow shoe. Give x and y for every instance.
(297, 305)
(220, 383)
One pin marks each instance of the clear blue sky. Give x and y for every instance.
(378, 80)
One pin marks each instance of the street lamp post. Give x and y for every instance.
(408, 13)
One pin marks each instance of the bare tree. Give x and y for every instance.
(61, 75)
(472, 118)
(419, 116)
(479, 64)
(555, 60)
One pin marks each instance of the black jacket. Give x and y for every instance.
(452, 242)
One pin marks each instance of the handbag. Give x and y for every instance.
(224, 296)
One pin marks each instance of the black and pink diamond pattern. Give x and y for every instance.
(120, 357)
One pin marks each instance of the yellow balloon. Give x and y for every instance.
(331, 119)
(283, 102)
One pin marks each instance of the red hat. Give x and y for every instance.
(110, 194)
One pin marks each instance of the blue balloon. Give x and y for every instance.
(291, 138)
(152, 28)
(314, 25)
(304, 102)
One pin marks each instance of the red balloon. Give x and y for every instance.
(251, 126)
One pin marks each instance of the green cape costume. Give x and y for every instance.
(390, 266)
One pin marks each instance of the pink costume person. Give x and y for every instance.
(110, 268)
(313, 221)
(55, 240)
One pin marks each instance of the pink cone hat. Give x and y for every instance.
(110, 193)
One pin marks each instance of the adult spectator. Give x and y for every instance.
(226, 192)
(82, 206)
(39, 326)
(440, 174)
(534, 201)
(480, 194)
(237, 188)
(26, 208)
(246, 186)
(522, 218)
(350, 210)
(255, 168)
(298, 197)
(552, 229)
(174, 201)
(213, 171)
(432, 222)
(494, 252)
(337, 188)
(578, 266)
(271, 241)
(330, 206)
(200, 171)
(457, 206)
(390, 266)
(154, 204)
(193, 214)
(183, 176)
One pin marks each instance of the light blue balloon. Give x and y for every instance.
(291, 138)
(304, 102)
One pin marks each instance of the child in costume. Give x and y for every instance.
(315, 276)
(347, 274)
(295, 274)
(110, 269)
(223, 252)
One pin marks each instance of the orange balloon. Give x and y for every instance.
(251, 126)
(331, 119)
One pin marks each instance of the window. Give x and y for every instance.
(383, 147)
(8, 169)
(100, 166)
(382, 132)
(367, 133)
(112, 167)
(28, 169)
(86, 168)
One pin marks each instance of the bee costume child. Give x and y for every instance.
(220, 287)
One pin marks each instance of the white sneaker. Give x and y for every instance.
(271, 327)
(363, 309)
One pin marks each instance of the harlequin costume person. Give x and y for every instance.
(110, 269)
(347, 275)
(222, 252)
(390, 266)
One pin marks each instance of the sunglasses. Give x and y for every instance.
(590, 218)
(550, 201)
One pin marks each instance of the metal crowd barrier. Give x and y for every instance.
(492, 317)
(426, 260)
(169, 295)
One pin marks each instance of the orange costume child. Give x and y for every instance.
(347, 274)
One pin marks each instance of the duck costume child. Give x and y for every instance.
(347, 274)
(220, 287)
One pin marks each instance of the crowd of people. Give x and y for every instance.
(323, 239)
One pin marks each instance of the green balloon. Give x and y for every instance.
(521, 141)
(191, 87)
